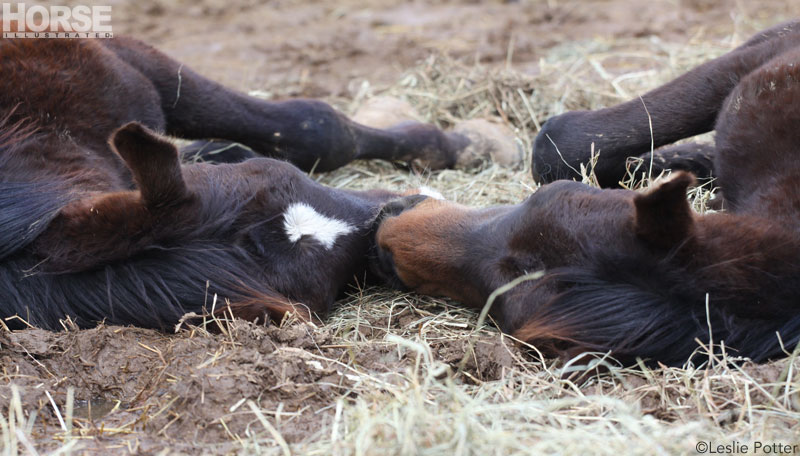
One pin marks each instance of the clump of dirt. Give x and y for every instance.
(175, 385)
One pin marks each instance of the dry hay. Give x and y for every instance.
(393, 373)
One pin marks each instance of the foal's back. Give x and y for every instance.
(64, 98)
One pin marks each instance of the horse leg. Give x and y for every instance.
(685, 107)
(310, 134)
(696, 158)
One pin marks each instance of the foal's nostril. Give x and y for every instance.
(398, 206)
(391, 209)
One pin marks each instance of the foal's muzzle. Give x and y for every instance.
(381, 261)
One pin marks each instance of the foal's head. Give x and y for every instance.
(440, 247)
(281, 238)
(599, 252)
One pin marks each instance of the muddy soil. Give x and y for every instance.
(143, 391)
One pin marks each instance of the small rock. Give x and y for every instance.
(385, 112)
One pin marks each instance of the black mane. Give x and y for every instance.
(648, 310)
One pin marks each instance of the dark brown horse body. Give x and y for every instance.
(120, 231)
(639, 275)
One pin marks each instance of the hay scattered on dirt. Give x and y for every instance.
(385, 374)
(393, 373)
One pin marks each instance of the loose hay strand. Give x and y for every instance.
(270, 428)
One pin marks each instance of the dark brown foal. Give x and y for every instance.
(639, 275)
(118, 230)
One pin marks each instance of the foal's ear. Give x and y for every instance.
(663, 215)
(154, 163)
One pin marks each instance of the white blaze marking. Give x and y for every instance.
(300, 220)
(427, 191)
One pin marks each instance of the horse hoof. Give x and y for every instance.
(489, 141)
(384, 112)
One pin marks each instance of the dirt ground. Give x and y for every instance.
(328, 48)
(189, 390)
(348, 386)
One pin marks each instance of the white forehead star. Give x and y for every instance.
(300, 220)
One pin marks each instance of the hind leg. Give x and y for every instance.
(308, 133)
(680, 109)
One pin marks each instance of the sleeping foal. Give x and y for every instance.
(638, 274)
(120, 231)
